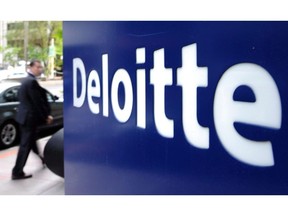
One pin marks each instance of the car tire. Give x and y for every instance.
(9, 134)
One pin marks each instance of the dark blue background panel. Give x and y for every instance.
(124, 133)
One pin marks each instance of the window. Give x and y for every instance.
(11, 95)
(49, 97)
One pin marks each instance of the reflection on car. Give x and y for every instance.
(9, 128)
(16, 74)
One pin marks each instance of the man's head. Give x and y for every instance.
(36, 67)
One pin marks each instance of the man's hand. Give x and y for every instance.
(49, 119)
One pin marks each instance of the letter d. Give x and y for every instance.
(78, 64)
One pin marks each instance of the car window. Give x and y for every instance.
(11, 95)
(49, 97)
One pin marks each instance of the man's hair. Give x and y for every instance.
(32, 62)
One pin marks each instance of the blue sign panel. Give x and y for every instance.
(176, 107)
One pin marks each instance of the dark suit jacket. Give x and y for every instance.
(34, 108)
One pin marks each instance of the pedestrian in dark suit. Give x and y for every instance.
(33, 111)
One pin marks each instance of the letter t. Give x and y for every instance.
(190, 77)
(161, 77)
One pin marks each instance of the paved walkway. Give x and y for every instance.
(43, 182)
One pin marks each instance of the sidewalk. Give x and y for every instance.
(43, 182)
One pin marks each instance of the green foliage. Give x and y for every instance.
(10, 55)
(40, 34)
(37, 52)
(57, 34)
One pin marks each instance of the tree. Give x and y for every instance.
(40, 34)
(56, 32)
(10, 55)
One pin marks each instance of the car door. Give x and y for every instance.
(10, 103)
(9, 130)
(56, 108)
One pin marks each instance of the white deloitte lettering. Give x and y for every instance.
(105, 85)
(78, 64)
(266, 111)
(93, 91)
(141, 88)
(122, 76)
(159, 78)
(190, 77)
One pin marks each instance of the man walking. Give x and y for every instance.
(34, 110)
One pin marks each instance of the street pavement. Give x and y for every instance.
(43, 182)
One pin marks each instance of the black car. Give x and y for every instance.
(9, 129)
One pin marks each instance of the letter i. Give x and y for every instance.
(141, 89)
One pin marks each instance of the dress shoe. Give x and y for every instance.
(19, 177)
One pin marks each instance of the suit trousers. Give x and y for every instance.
(27, 143)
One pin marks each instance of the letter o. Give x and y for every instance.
(122, 76)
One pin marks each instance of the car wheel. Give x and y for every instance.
(9, 134)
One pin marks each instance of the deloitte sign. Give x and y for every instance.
(189, 78)
(175, 107)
